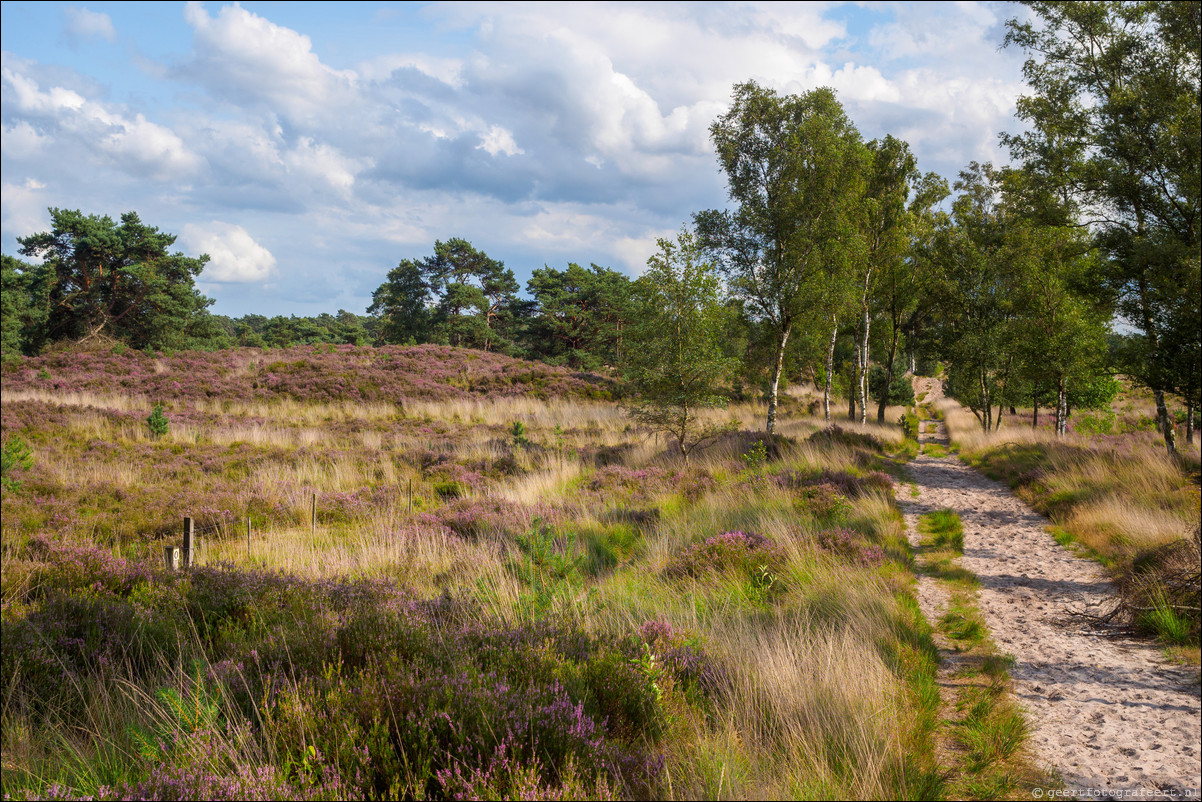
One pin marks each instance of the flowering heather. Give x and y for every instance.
(305, 373)
(850, 485)
(488, 518)
(684, 657)
(746, 551)
(468, 705)
(851, 546)
(643, 483)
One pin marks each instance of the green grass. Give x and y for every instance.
(943, 529)
(1170, 628)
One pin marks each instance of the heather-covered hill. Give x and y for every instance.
(303, 373)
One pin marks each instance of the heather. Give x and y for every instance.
(328, 373)
(432, 601)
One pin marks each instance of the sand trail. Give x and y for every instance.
(1106, 711)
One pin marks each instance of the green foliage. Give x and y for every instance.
(1169, 627)
(15, 455)
(756, 456)
(795, 169)
(458, 296)
(116, 280)
(678, 370)
(157, 422)
(901, 390)
(24, 306)
(258, 331)
(1113, 123)
(517, 430)
(944, 529)
(580, 316)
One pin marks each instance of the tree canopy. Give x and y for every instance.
(117, 280)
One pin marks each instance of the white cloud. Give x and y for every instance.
(321, 161)
(498, 140)
(21, 140)
(235, 257)
(134, 144)
(240, 54)
(23, 208)
(85, 24)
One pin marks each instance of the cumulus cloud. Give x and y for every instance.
(235, 257)
(245, 57)
(23, 207)
(21, 140)
(85, 24)
(498, 140)
(133, 143)
(558, 132)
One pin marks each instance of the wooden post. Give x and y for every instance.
(191, 543)
(171, 557)
(410, 495)
(248, 536)
(313, 514)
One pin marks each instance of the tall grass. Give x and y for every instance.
(795, 667)
(1120, 496)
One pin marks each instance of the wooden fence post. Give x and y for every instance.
(171, 557)
(191, 543)
(313, 514)
(410, 495)
(248, 536)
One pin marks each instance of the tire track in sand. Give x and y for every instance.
(1107, 711)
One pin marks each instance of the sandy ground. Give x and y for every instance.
(1108, 712)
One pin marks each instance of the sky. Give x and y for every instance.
(309, 147)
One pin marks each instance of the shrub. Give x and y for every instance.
(745, 552)
(836, 435)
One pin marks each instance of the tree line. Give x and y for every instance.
(836, 261)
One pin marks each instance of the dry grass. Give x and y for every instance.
(810, 708)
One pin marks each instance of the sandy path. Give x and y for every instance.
(1106, 711)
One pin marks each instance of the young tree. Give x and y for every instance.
(679, 367)
(794, 169)
(120, 281)
(1114, 129)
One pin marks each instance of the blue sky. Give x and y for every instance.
(309, 147)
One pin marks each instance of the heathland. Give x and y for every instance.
(436, 572)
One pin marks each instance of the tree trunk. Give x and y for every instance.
(864, 369)
(1166, 423)
(880, 410)
(851, 390)
(1189, 423)
(1035, 409)
(776, 371)
(986, 404)
(1061, 408)
(830, 367)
